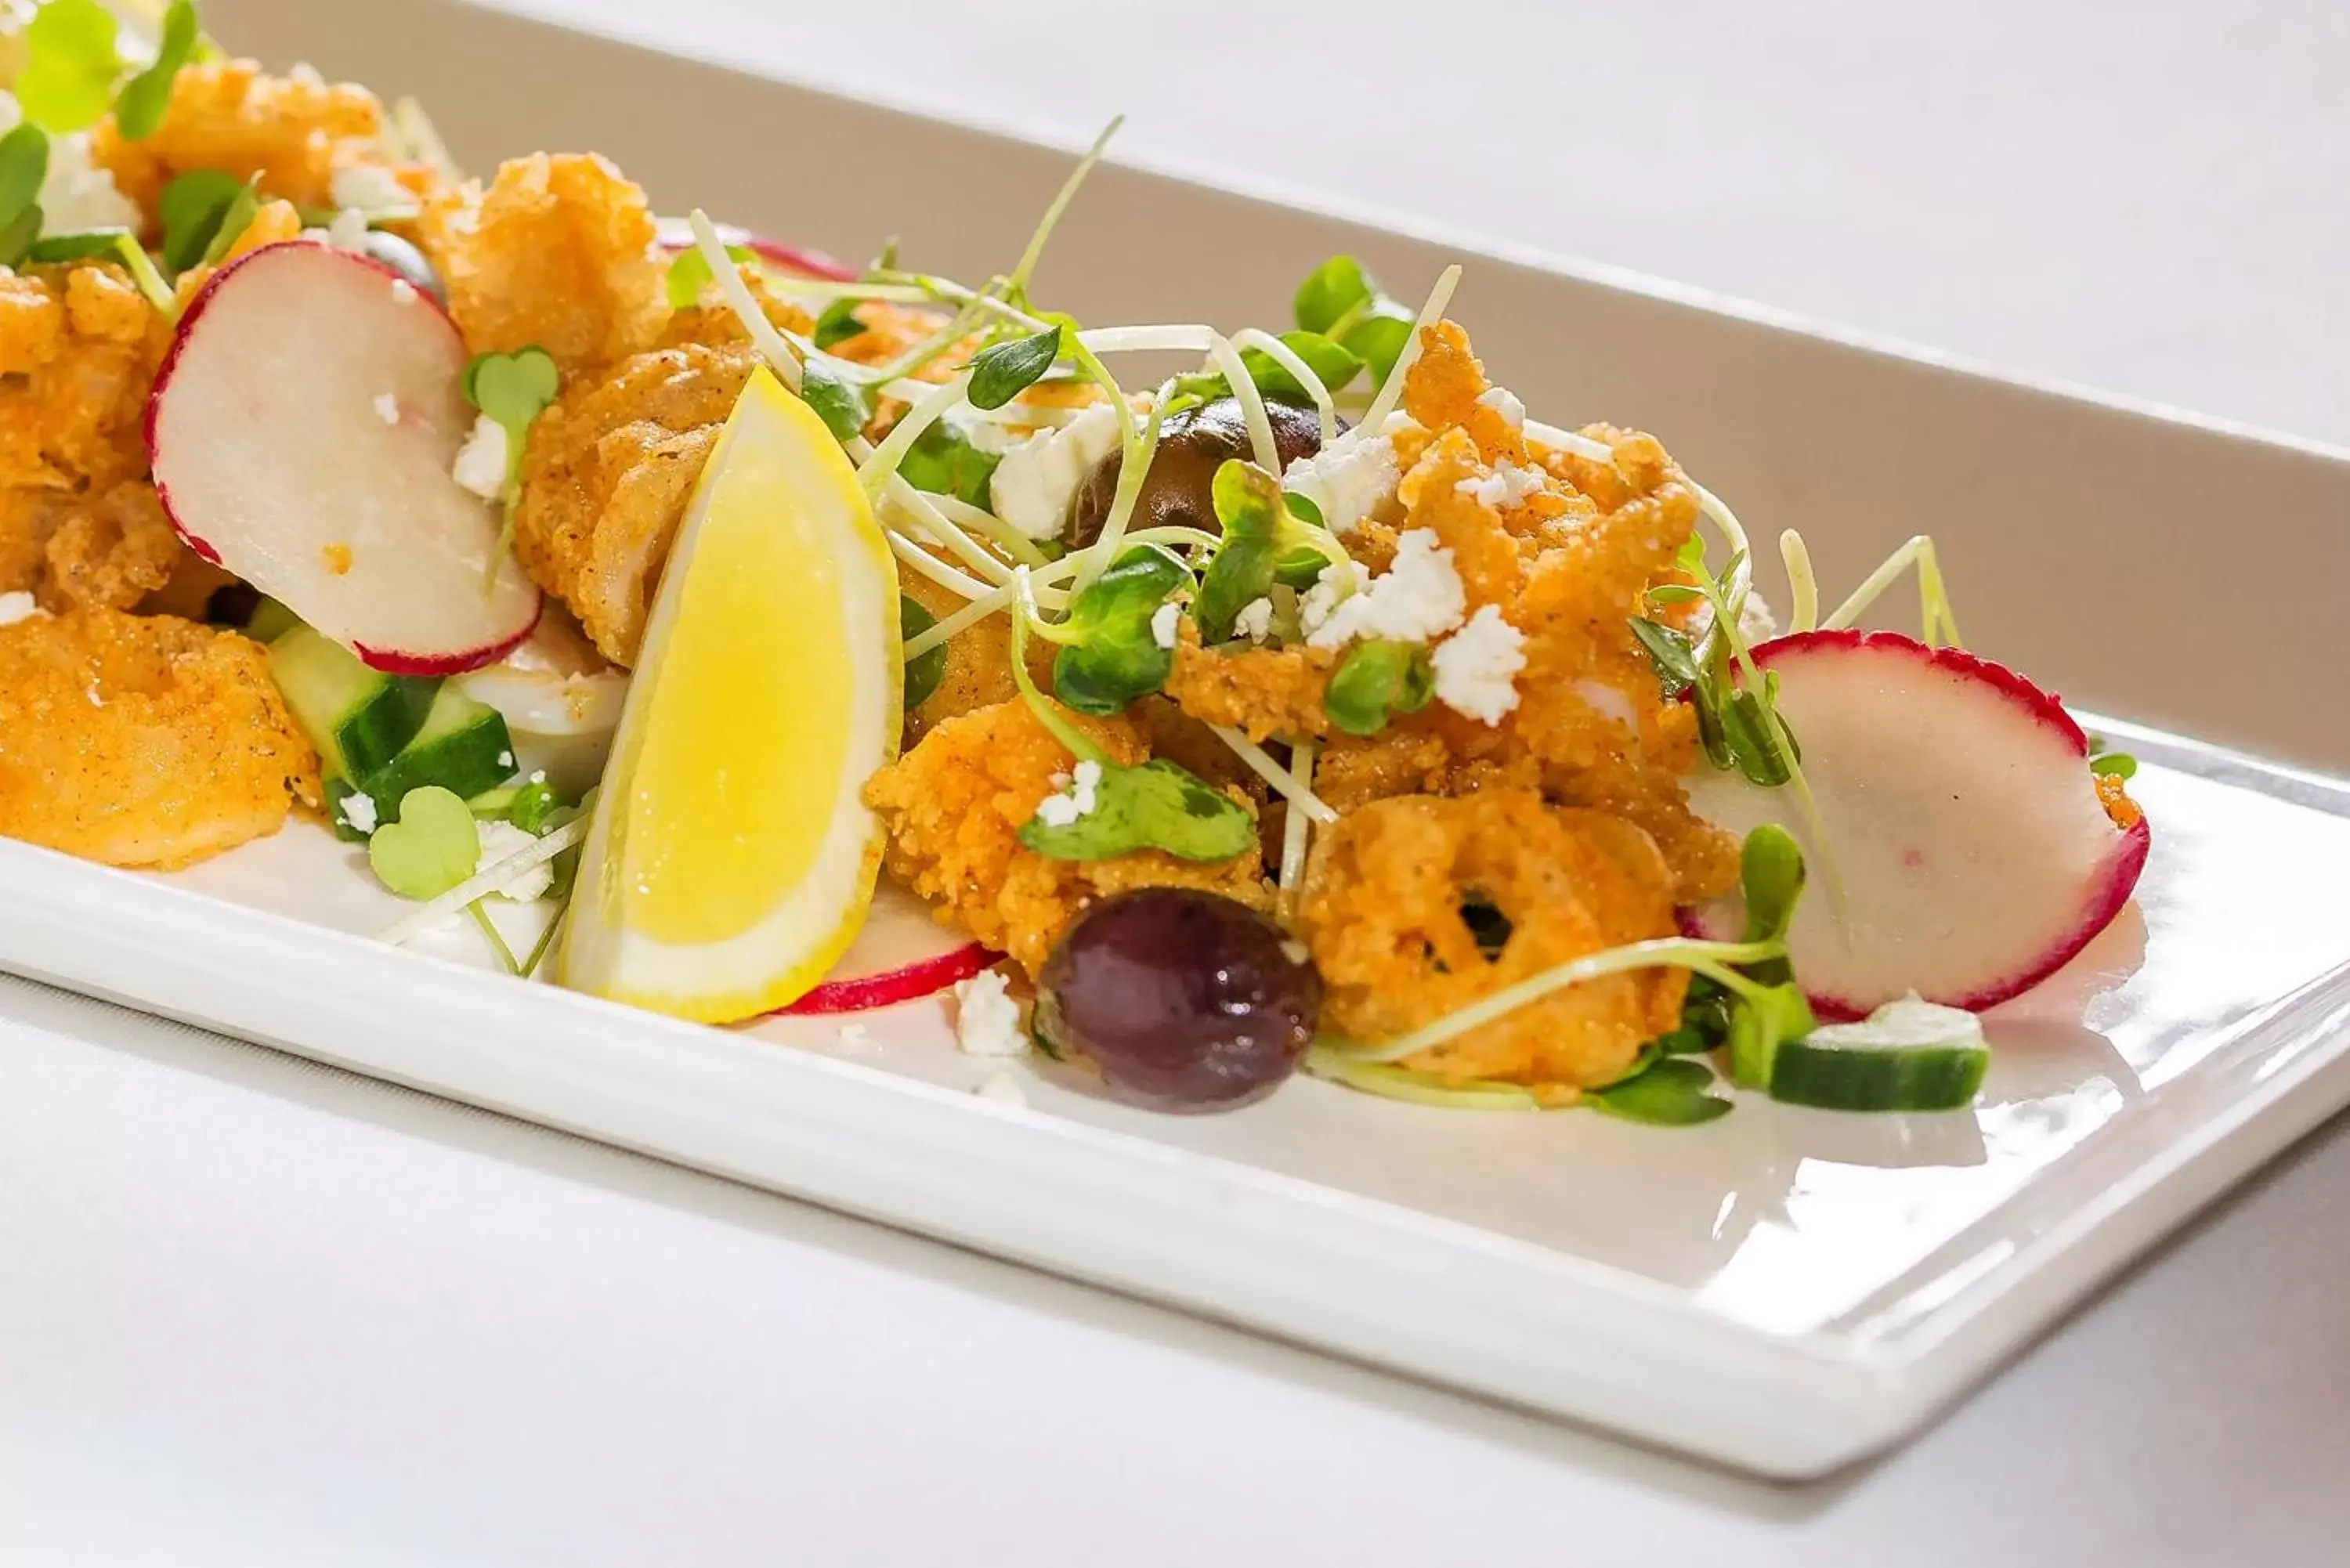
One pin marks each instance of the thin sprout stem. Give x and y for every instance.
(740, 300)
(1803, 586)
(1133, 469)
(881, 466)
(1937, 624)
(1017, 283)
(423, 142)
(142, 273)
(1299, 796)
(488, 879)
(1023, 617)
(827, 288)
(1288, 359)
(930, 567)
(1296, 829)
(496, 938)
(1244, 388)
(1572, 442)
(1173, 533)
(980, 608)
(546, 943)
(1418, 1088)
(982, 520)
(1184, 337)
(1391, 390)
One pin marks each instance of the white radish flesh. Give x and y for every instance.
(900, 954)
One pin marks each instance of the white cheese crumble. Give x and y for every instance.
(852, 1036)
(1508, 485)
(359, 810)
(1505, 402)
(481, 465)
(1075, 803)
(349, 231)
(17, 607)
(1417, 599)
(76, 196)
(987, 1021)
(1477, 667)
(1352, 477)
(368, 188)
(505, 759)
(1256, 620)
(502, 839)
(1003, 1089)
(1162, 624)
(387, 408)
(1335, 583)
(1036, 481)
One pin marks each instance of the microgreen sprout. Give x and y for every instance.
(1264, 541)
(24, 164)
(840, 399)
(2105, 761)
(1015, 287)
(431, 848)
(235, 217)
(139, 110)
(1803, 584)
(944, 461)
(191, 207)
(1005, 370)
(925, 670)
(1378, 678)
(510, 390)
(1109, 655)
(1939, 627)
(835, 325)
(690, 274)
(71, 62)
(1390, 391)
(1340, 304)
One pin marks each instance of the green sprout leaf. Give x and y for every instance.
(1759, 1025)
(1669, 1092)
(71, 62)
(1157, 805)
(24, 164)
(85, 247)
(139, 111)
(1264, 542)
(1771, 879)
(1114, 658)
(925, 670)
(1376, 678)
(191, 207)
(1380, 337)
(2119, 764)
(944, 461)
(16, 236)
(842, 403)
(1332, 291)
(234, 219)
(511, 391)
(837, 325)
(429, 849)
(1001, 372)
(527, 805)
(690, 274)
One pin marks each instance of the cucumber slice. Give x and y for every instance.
(270, 621)
(358, 718)
(1910, 1056)
(464, 747)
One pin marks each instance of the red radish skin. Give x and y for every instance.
(900, 955)
(1855, 759)
(864, 992)
(260, 433)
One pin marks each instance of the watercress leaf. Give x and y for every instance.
(191, 208)
(2120, 765)
(1770, 877)
(1376, 678)
(1158, 805)
(927, 668)
(139, 110)
(16, 236)
(1002, 371)
(842, 404)
(1330, 291)
(1672, 654)
(94, 243)
(1379, 337)
(1117, 658)
(690, 274)
(944, 461)
(24, 164)
(67, 82)
(837, 324)
(234, 219)
(1671, 1093)
(429, 849)
(1333, 364)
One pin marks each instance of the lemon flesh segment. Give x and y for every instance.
(733, 858)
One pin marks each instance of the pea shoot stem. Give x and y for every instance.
(1016, 286)
(497, 941)
(1803, 586)
(1073, 739)
(1939, 626)
(1300, 796)
(1390, 391)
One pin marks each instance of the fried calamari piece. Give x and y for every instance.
(954, 804)
(111, 553)
(1262, 691)
(79, 349)
(557, 252)
(978, 671)
(143, 741)
(229, 114)
(1385, 911)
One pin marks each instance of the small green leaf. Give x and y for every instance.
(1770, 877)
(511, 388)
(842, 404)
(1117, 656)
(1329, 291)
(1303, 508)
(1671, 1093)
(139, 111)
(234, 219)
(535, 801)
(24, 164)
(1333, 364)
(944, 461)
(70, 66)
(837, 324)
(1157, 805)
(1376, 678)
(2120, 765)
(927, 668)
(690, 274)
(16, 236)
(1675, 594)
(1759, 1025)
(1672, 654)
(191, 207)
(1001, 373)
(1379, 338)
(429, 849)
(95, 242)
(1249, 506)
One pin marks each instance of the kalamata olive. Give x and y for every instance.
(1191, 446)
(404, 259)
(1185, 1000)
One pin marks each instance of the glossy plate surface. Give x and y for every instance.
(1785, 1290)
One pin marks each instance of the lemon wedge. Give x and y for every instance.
(732, 857)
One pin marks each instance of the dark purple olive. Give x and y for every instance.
(1185, 1000)
(1191, 446)
(404, 259)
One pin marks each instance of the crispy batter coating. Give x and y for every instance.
(978, 671)
(143, 741)
(1262, 691)
(1383, 913)
(557, 252)
(954, 802)
(111, 553)
(79, 349)
(231, 116)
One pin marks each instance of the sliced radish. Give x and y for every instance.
(677, 234)
(302, 430)
(1965, 838)
(901, 953)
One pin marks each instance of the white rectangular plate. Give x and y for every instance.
(1785, 1290)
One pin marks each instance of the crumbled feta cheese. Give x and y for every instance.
(359, 810)
(17, 607)
(1256, 620)
(1162, 624)
(1352, 477)
(1504, 401)
(387, 408)
(987, 1021)
(1417, 599)
(501, 839)
(1074, 804)
(505, 759)
(1036, 481)
(349, 231)
(481, 465)
(538, 776)
(1003, 1089)
(1508, 485)
(368, 188)
(1329, 589)
(1477, 667)
(852, 1036)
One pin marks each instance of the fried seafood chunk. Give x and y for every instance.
(143, 741)
(558, 251)
(954, 804)
(1386, 911)
(79, 349)
(111, 553)
(229, 114)
(1262, 691)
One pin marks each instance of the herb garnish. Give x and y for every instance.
(1001, 371)
(139, 110)
(510, 390)
(944, 461)
(1264, 542)
(690, 274)
(927, 667)
(1340, 302)
(1378, 678)
(191, 207)
(2103, 761)
(1112, 656)
(71, 62)
(431, 848)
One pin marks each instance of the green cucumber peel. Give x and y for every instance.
(1908, 1055)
